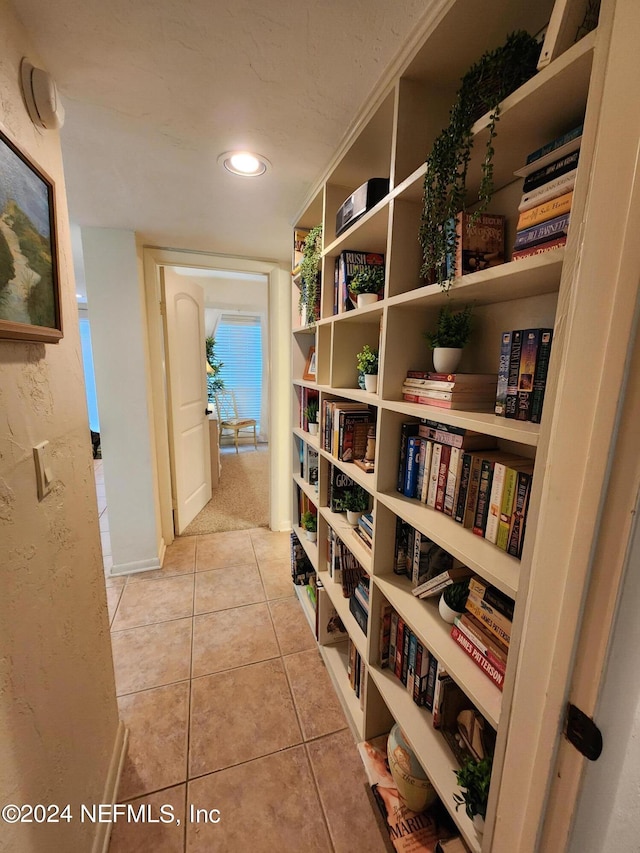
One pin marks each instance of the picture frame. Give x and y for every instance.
(30, 308)
(310, 366)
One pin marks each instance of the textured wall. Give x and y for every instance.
(58, 715)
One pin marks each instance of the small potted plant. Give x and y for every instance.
(354, 502)
(311, 414)
(474, 779)
(453, 600)
(367, 361)
(452, 333)
(309, 524)
(366, 284)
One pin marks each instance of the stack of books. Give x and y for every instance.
(547, 193)
(359, 602)
(522, 373)
(364, 530)
(472, 392)
(484, 629)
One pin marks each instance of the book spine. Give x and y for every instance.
(477, 657)
(411, 669)
(443, 471)
(358, 613)
(434, 471)
(514, 372)
(385, 633)
(427, 697)
(472, 492)
(481, 644)
(506, 508)
(558, 142)
(519, 520)
(544, 231)
(503, 373)
(493, 621)
(540, 378)
(393, 633)
(453, 476)
(399, 648)
(407, 430)
(528, 359)
(540, 248)
(545, 211)
(480, 591)
(406, 639)
(553, 170)
(545, 192)
(484, 492)
(495, 502)
(411, 474)
(441, 677)
(420, 477)
(465, 473)
(427, 454)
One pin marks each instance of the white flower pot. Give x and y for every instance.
(352, 517)
(366, 299)
(312, 426)
(371, 382)
(446, 612)
(446, 359)
(311, 535)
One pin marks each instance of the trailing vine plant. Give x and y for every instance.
(494, 76)
(310, 275)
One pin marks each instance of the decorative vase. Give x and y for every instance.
(312, 535)
(413, 785)
(312, 426)
(446, 359)
(446, 612)
(478, 824)
(352, 517)
(366, 299)
(371, 382)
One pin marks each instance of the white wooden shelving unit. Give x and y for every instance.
(392, 140)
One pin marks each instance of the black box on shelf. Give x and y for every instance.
(360, 201)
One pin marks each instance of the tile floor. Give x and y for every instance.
(229, 707)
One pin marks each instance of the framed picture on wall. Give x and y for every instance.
(310, 367)
(29, 277)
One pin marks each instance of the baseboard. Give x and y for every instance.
(103, 830)
(163, 552)
(137, 566)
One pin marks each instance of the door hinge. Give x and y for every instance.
(583, 733)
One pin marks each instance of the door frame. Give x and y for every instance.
(154, 259)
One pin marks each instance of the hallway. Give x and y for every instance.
(229, 707)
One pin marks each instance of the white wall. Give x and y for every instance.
(58, 715)
(118, 329)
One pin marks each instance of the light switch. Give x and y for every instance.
(44, 472)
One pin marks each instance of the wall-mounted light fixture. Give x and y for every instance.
(41, 97)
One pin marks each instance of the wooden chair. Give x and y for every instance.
(228, 418)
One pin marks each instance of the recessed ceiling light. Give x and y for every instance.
(244, 163)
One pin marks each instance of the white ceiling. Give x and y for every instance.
(155, 90)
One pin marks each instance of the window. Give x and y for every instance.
(239, 348)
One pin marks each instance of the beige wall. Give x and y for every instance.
(58, 715)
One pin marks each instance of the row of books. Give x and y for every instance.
(356, 671)
(345, 427)
(359, 603)
(522, 373)
(344, 569)
(364, 529)
(469, 391)
(417, 557)
(301, 566)
(309, 464)
(347, 264)
(486, 491)
(547, 194)
(402, 652)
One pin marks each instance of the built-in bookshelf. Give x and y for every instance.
(392, 141)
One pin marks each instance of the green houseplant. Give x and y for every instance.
(214, 381)
(309, 523)
(494, 76)
(354, 502)
(366, 284)
(474, 779)
(453, 600)
(367, 363)
(451, 334)
(310, 276)
(311, 414)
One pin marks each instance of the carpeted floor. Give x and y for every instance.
(241, 500)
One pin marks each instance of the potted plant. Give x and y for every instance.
(309, 524)
(453, 600)
(452, 333)
(310, 276)
(494, 76)
(474, 779)
(354, 502)
(367, 361)
(366, 284)
(311, 414)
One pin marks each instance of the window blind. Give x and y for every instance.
(239, 346)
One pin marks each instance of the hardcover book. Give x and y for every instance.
(480, 243)
(540, 248)
(543, 232)
(545, 211)
(351, 262)
(489, 669)
(548, 173)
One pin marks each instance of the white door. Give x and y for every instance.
(187, 397)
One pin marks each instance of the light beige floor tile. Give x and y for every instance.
(276, 577)
(220, 550)
(319, 709)
(157, 754)
(239, 715)
(129, 836)
(292, 629)
(115, 581)
(271, 546)
(179, 559)
(154, 601)
(232, 638)
(221, 589)
(280, 808)
(350, 814)
(152, 655)
(114, 594)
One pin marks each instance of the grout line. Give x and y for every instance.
(153, 687)
(318, 795)
(246, 761)
(188, 750)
